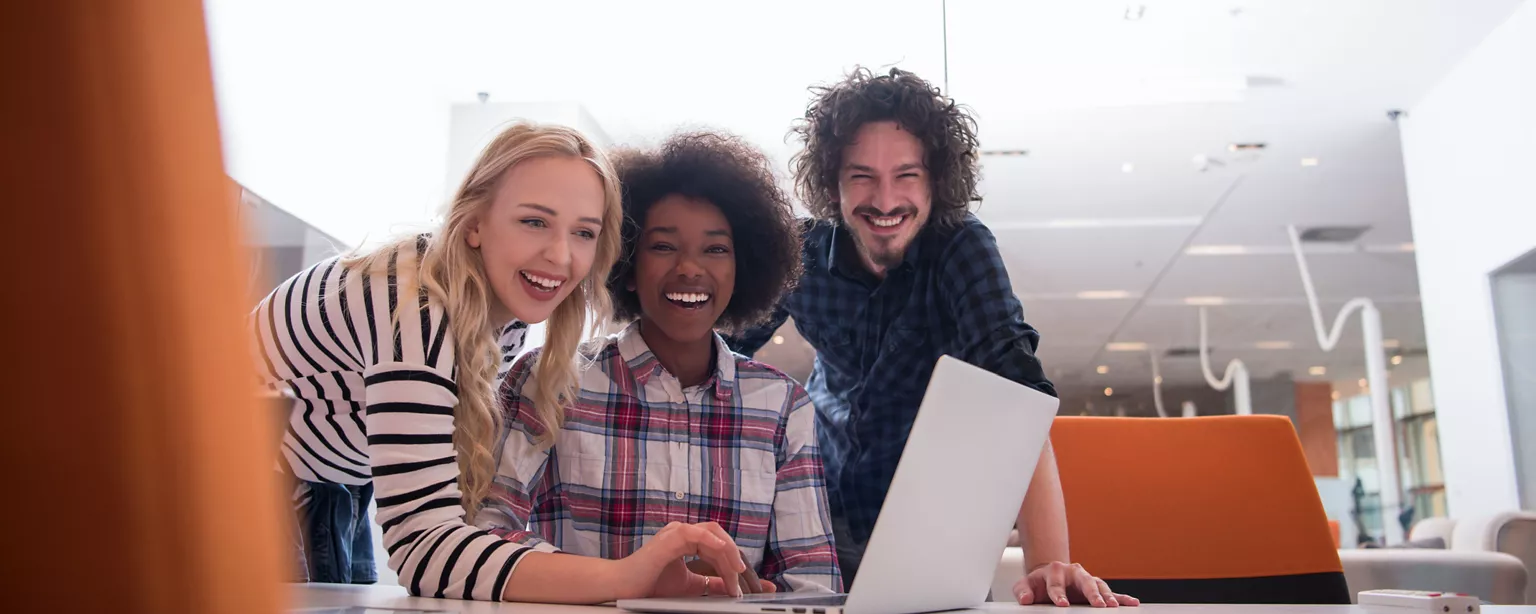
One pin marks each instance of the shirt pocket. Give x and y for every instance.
(752, 481)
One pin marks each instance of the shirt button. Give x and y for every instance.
(679, 495)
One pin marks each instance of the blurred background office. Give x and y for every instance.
(1144, 163)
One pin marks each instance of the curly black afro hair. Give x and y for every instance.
(946, 130)
(734, 176)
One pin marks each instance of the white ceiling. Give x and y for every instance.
(321, 103)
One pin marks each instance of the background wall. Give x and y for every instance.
(1467, 149)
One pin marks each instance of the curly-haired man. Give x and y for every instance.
(898, 272)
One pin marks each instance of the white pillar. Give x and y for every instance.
(1383, 424)
(1383, 429)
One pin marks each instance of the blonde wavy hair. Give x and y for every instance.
(453, 275)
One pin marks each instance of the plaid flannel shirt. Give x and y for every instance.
(638, 451)
(877, 342)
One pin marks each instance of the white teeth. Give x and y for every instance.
(887, 222)
(547, 284)
(688, 297)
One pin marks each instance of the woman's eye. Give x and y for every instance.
(534, 222)
(661, 247)
(586, 234)
(718, 249)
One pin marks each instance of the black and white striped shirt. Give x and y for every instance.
(375, 402)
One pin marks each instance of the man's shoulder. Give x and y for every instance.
(814, 235)
(964, 240)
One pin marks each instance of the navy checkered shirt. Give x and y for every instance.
(877, 343)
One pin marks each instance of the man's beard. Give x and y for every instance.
(886, 253)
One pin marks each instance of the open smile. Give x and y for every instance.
(689, 300)
(540, 286)
(886, 224)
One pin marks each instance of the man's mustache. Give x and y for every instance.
(870, 210)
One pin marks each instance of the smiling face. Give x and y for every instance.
(685, 268)
(883, 192)
(538, 236)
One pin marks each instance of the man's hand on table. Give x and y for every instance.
(1063, 584)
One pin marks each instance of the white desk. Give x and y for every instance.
(341, 595)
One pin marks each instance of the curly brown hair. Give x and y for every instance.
(729, 173)
(946, 130)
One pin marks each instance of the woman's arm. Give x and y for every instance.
(800, 555)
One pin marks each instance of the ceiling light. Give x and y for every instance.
(1204, 300)
(1236, 147)
(1309, 161)
(1397, 360)
(1363, 383)
(1391, 343)
(1103, 369)
(1336, 395)
(1333, 234)
(778, 339)
(1109, 392)
(1273, 345)
(1103, 294)
(1126, 346)
(1127, 167)
(1157, 380)
(1317, 371)
(1215, 250)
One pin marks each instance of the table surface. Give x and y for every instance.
(323, 596)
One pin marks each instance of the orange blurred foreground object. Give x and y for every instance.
(137, 463)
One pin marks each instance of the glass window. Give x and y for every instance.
(1360, 410)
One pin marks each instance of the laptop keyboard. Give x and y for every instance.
(793, 599)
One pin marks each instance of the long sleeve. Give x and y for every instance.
(800, 555)
(521, 463)
(989, 317)
(749, 341)
(410, 396)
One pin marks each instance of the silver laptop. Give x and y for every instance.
(946, 519)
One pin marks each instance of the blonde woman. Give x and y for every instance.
(391, 354)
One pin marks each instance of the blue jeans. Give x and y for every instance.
(335, 541)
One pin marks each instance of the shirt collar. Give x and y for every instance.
(644, 365)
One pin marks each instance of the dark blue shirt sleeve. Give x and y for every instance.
(749, 341)
(989, 317)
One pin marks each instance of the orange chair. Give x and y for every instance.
(1197, 510)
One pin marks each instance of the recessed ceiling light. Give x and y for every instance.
(1309, 161)
(1397, 360)
(1157, 380)
(1215, 250)
(1333, 234)
(1103, 369)
(1103, 294)
(1204, 300)
(1109, 392)
(1317, 371)
(1274, 345)
(1126, 346)
(1391, 343)
(778, 339)
(1127, 167)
